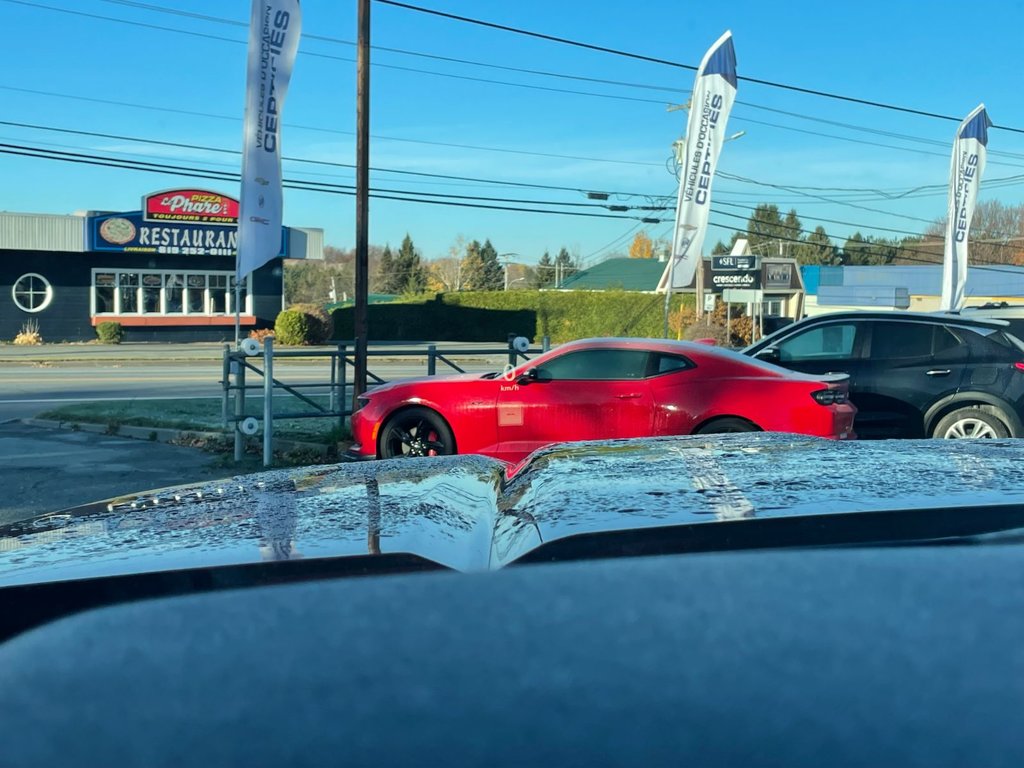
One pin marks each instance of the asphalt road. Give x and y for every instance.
(29, 388)
(43, 470)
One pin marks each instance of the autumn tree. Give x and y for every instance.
(642, 246)
(996, 235)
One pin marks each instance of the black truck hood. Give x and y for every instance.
(465, 513)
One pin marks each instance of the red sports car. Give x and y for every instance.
(597, 389)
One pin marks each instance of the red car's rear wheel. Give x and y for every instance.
(415, 432)
(727, 424)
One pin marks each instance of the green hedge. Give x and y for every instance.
(492, 315)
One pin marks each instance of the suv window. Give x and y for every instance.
(595, 365)
(894, 340)
(825, 342)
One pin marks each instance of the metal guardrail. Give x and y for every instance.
(237, 362)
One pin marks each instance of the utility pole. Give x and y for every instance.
(362, 198)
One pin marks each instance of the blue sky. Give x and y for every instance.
(919, 55)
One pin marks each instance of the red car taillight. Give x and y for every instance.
(830, 396)
(1019, 366)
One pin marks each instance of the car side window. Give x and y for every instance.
(894, 341)
(595, 365)
(666, 363)
(834, 341)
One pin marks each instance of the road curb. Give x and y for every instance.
(169, 435)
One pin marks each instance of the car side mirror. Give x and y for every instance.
(530, 374)
(768, 354)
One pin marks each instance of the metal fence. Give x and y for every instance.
(255, 359)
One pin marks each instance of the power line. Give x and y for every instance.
(193, 113)
(679, 65)
(300, 184)
(207, 18)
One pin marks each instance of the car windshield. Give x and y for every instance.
(544, 226)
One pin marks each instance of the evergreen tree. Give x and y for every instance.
(387, 277)
(545, 273)
(565, 265)
(473, 267)
(410, 274)
(817, 248)
(493, 276)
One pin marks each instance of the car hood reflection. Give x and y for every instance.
(469, 514)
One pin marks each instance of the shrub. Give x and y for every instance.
(29, 334)
(261, 333)
(321, 325)
(291, 328)
(110, 332)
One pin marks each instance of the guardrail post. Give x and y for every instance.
(268, 401)
(225, 382)
(239, 408)
(545, 344)
(431, 359)
(342, 383)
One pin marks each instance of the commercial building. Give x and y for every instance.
(897, 286)
(165, 272)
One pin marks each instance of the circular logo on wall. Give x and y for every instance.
(118, 231)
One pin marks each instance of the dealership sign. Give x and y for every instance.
(197, 206)
(187, 222)
(734, 262)
(734, 279)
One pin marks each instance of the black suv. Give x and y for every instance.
(912, 375)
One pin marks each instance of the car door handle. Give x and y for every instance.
(630, 396)
(938, 372)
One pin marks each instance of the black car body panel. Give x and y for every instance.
(467, 514)
(908, 370)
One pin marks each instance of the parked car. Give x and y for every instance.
(593, 390)
(912, 375)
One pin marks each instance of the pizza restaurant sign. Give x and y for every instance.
(191, 205)
(188, 222)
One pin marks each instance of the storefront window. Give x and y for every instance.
(174, 293)
(151, 285)
(129, 292)
(218, 294)
(103, 290)
(197, 294)
(150, 292)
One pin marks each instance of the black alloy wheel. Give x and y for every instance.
(416, 432)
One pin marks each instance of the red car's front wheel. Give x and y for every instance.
(415, 432)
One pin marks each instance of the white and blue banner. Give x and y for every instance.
(714, 92)
(274, 30)
(965, 171)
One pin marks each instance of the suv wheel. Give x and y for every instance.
(970, 423)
